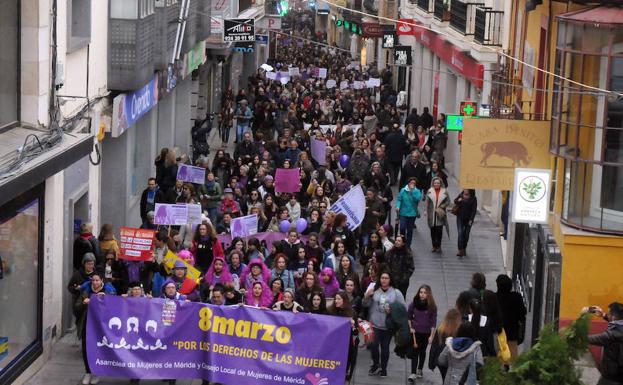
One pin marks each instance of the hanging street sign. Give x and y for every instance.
(239, 30)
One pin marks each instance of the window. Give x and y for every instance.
(21, 246)
(78, 24)
(124, 9)
(9, 61)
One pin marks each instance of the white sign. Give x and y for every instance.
(353, 205)
(331, 83)
(266, 67)
(531, 195)
(269, 22)
(244, 226)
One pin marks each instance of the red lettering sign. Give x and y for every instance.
(136, 244)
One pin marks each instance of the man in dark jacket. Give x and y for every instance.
(374, 211)
(413, 118)
(395, 145)
(612, 341)
(426, 120)
(414, 169)
(246, 147)
(151, 195)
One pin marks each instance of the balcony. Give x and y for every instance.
(440, 10)
(463, 17)
(427, 6)
(488, 30)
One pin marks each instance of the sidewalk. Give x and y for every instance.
(447, 275)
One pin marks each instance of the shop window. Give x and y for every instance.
(9, 61)
(21, 283)
(587, 127)
(78, 24)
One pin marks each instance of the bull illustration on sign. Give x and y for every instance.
(515, 151)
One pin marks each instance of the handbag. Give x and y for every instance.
(441, 213)
(435, 350)
(455, 210)
(503, 351)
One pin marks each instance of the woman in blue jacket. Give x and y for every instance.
(406, 208)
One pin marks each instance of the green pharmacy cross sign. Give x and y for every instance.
(349, 26)
(468, 108)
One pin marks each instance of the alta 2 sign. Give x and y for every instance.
(239, 30)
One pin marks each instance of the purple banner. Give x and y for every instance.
(287, 180)
(269, 237)
(319, 151)
(191, 174)
(161, 339)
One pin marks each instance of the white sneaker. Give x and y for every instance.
(411, 378)
(86, 379)
(94, 380)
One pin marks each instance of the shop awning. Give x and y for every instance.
(596, 15)
(72, 148)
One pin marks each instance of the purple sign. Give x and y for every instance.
(168, 214)
(158, 339)
(191, 174)
(319, 151)
(287, 180)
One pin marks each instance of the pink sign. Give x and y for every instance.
(287, 180)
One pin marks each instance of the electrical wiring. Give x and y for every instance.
(499, 52)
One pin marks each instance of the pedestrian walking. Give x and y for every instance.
(465, 210)
(447, 328)
(400, 264)
(379, 300)
(462, 357)
(422, 323)
(513, 313)
(407, 209)
(437, 200)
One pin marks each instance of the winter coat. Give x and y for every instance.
(86, 243)
(612, 341)
(467, 208)
(395, 146)
(407, 201)
(398, 322)
(81, 309)
(401, 265)
(286, 276)
(377, 303)
(422, 319)
(457, 357)
(432, 203)
(418, 171)
(146, 206)
(370, 220)
(210, 194)
(513, 311)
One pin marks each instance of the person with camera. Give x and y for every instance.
(612, 341)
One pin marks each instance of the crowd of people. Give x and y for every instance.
(327, 268)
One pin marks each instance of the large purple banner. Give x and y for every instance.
(164, 339)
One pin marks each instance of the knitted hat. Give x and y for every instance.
(289, 290)
(179, 265)
(268, 178)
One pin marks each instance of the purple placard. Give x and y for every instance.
(167, 214)
(159, 339)
(191, 174)
(287, 180)
(319, 151)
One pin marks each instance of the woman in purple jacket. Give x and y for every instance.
(422, 323)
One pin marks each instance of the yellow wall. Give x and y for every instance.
(592, 269)
(592, 264)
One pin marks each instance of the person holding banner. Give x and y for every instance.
(342, 307)
(255, 271)
(183, 284)
(379, 300)
(259, 295)
(288, 303)
(88, 291)
(305, 291)
(218, 273)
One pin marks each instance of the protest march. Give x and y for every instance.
(276, 262)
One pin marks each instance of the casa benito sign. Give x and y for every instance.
(492, 149)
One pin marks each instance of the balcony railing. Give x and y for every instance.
(427, 6)
(488, 29)
(440, 11)
(463, 16)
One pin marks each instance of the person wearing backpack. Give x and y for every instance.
(612, 341)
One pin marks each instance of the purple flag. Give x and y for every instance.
(191, 174)
(158, 339)
(319, 151)
(287, 180)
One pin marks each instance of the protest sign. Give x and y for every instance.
(194, 214)
(287, 180)
(169, 260)
(353, 205)
(136, 244)
(331, 83)
(358, 85)
(266, 67)
(344, 84)
(294, 71)
(284, 80)
(375, 82)
(244, 226)
(319, 151)
(267, 236)
(191, 174)
(271, 75)
(157, 338)
(168, 214)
